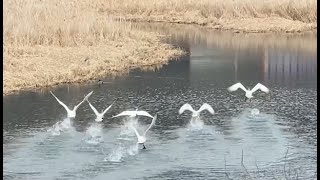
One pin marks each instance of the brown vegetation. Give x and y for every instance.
(244, 15)
(48, 42)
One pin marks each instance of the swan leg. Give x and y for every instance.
(144, 147)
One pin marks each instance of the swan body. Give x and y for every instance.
(100, 116)
(142, 138)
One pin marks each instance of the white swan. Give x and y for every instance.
(142, 138)
(72, 113)
(133, 114)
(248, 91)
(100, 116)
(188, 107)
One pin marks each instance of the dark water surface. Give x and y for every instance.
(278, 143)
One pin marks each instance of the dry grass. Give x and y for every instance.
(48, 42)
(246, 15)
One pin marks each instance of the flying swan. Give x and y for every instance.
(188, 107)
(142, 138)
(100, 116)
(71, 113)
(248, 91)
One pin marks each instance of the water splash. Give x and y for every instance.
(255, 112)
(55, 130)
(133, 150)
(116, 155)
(66, 124)
(196, 124)
(94, 134)
(126, 129)
(60, 126)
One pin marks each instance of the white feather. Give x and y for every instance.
(186, 107)
(261, 87)
(207, 107)
(236, 87)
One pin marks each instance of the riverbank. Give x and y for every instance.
(47, 43)
(250, 16)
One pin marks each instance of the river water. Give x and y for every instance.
(271, 137)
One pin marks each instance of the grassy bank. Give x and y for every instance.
(49, 42)
(246, 15)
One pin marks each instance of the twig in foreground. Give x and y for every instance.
(243, 165)
(284, 166)
(225, 168)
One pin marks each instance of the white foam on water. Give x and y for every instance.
(126, 129)
(133, 150)
(61, 126)
(255, 112)
(116, 155)
(94, 134)
(196, 124)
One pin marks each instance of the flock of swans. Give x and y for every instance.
(141, 138)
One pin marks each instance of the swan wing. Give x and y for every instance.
(152, 123)
(236, 87)
(135, 131)
(144, 113)
(126, 113)
(84, 99)
(207, 107)
(261, 87)
(93, 108)
(60, 102)
(107, 109)
(186, 107)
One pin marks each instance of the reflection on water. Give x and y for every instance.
(286, 68)
(225, 56)
(185, 36)
(37, 147)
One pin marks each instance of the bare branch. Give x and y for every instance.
(244, 166)
(225, 168)
(284, 166)
(257, 167)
